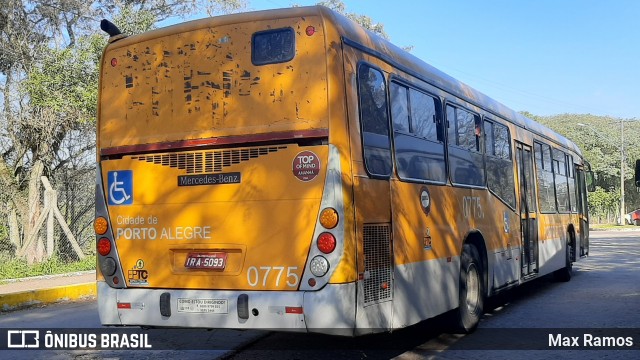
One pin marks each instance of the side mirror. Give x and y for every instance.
(637, 177)
(591, 183)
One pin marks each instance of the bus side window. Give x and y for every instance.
(544, 178)
(559, 160)
(419, 151)
(465, 153)
(374, 121)
(498, 160)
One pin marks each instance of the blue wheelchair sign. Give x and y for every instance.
(120, 187)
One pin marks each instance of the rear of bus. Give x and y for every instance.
(219, 196)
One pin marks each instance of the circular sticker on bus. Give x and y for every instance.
(425, 200)
(306, 166)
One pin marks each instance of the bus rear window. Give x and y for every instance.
(273, 46)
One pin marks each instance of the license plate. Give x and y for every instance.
(209, 261)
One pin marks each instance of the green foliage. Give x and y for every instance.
(600, 139)
(131, 21)
(364, 20)
(66, 80)
(602, 201)
(12, 268)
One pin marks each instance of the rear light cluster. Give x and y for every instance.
(326, 243)
(104, 246)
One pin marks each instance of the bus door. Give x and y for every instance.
(583, 212)
(529, 254)
(367, 98)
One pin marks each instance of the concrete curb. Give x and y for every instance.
(46, 296)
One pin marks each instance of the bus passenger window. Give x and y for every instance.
(465, 152)
(499, 162)
(544, 178)
(423, 115)
(374, 121)
(560, 180)
(399, 108)
(419, 150)
(571, 180)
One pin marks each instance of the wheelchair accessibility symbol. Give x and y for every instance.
(120, 187)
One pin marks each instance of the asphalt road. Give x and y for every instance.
(602, 299)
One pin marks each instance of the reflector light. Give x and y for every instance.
(100, 225)
(329, 218)
(326, 243)
(116, 280)
(310, 30)
(114, 62)
(104, 246)
(124, 305)
(293, 310)
(312, 282)
(319, 266)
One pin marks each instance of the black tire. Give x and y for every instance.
(636, 222)
(471, 294)
(566, 272)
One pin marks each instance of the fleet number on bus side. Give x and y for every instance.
(264, 273)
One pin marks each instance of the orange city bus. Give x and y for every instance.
(287, 169)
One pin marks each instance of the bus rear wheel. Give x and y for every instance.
(471, 294)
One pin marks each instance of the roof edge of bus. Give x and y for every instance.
(219, 20)
(353, 31)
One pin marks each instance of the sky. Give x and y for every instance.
(546, 57)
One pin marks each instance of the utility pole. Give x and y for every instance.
(622, 212)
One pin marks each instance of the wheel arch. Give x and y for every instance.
(476, 239)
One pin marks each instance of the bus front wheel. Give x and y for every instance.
(471, 289)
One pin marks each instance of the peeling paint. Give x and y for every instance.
(221, 87)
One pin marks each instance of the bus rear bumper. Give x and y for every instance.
(330, 310)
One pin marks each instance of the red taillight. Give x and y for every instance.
(326, 243)
(104, 246)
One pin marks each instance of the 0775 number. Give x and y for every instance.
(264, 274)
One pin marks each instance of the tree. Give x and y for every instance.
(364, 20)
(49, 53)
(599, 138)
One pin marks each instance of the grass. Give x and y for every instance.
(17, 268)
(613, 227)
